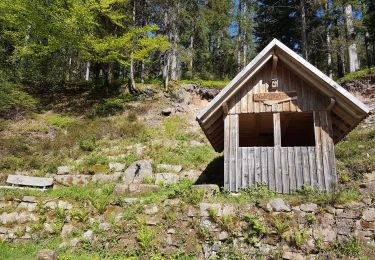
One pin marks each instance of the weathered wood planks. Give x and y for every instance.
(284, 171)
(308, 98)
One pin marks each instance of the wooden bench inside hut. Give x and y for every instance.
(277, 122)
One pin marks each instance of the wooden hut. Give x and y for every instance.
(277, 122)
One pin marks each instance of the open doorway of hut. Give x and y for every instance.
(256, 130)
(297, 129)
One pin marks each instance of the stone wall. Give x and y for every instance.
(290, 230)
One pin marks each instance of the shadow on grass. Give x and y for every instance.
(214, 173)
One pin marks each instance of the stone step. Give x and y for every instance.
(22, 180)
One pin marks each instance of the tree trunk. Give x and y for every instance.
(191, 47)
(340, 63)
(142, 72)
(368, 58)
(87, 75)
(303, 32)
(239, 36)
(329, 55)
(174, 63)
(132, 86)
(166, 70)
(353, 61)
(174, 55)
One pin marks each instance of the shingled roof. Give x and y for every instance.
(348, 109)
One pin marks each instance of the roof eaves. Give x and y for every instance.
(323, 77)
(240, 76)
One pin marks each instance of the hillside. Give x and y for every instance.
(130, 174)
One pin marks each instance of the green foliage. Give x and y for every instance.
(20, 231)
(349, 248)
(323, 198)
(186, 192)
(311, 218)
(59, 120)
(300, 237)
(131, 211)
(212, 214)
(358, 74)
(87, 144)
(282, 224)
(14, 102)
(353, 163)
(203, 233)
(259, 192)
(227, 222)
(145, 238)
(109, 107)
(220, 84)
(81, 215)
(256, 228)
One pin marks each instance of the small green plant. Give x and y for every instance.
(300, 237)
(256, 229)
(349, 248)
(87, 144)
(81, 215)
(20, 232)
(282, 225)
(149, 180)
(170, 215)
(131, 211)
(145, 238)
(203, 233)
(259, 192)
(319, 243)
(186, 192)
(226, 222)
(59, 120)
(37, 226)
(212, 213)
(310, 218)
(108, 107)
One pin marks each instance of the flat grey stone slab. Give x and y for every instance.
(23, 180)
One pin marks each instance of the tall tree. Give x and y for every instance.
(353, 61)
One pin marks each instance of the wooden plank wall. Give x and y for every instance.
(298, 166)
(282, 169)
(308, 99)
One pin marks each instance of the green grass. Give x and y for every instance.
(356, 154)
(59, 121)
(357, 74)
(207, 83)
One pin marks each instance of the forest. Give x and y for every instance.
(48, 46)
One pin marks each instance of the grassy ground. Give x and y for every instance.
(358, 74)
(42, 142)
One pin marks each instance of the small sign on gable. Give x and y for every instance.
(270, 98)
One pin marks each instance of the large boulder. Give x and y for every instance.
(103, 178)
(135, 189)
(64, 170)
(166, 178)
(369, 215)
(46, 254)
(137, 172)
(66, 231)
(116, 166)
(169, 168)
(277, 205)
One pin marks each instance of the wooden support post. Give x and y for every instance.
(276, 129)
(277, 152)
